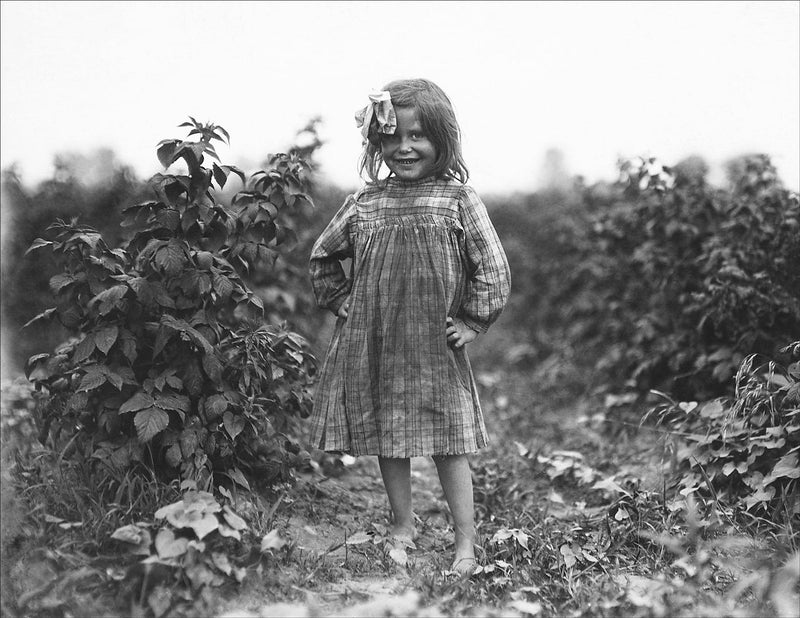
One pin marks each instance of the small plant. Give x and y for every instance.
(194, 544)
(170, 367)
(17, 424)
(706, 554)
(395, 549)
(743, 452)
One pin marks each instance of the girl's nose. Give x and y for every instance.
(405, 145)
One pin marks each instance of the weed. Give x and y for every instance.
(741, 454)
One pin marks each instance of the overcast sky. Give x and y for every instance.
(597, 80)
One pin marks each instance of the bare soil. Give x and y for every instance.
(333, 577)
(329, 577)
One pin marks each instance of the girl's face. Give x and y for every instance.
(409, 153)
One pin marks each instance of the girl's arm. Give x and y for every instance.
(489, 278)
(328, 280)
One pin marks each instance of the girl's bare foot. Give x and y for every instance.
(403, 536)
(464, 561)
(464, 566)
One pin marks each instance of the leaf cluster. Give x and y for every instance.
(27, 212)
(658, 280)
(171, 366)
(742, 452)
(191, 549)
(704, 276)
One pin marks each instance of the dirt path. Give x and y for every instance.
(327, 576)
(330, 574)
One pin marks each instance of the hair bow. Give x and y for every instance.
(380, 108)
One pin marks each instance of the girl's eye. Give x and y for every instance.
(417, 135)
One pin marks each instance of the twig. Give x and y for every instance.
(639, 426)
(318, 562)
(275, 506)
(714, 493)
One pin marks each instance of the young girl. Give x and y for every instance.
(428, 275)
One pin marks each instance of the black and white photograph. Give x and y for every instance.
(420, 309)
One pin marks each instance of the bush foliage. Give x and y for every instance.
(661, 280)
(743, 452)
(171, 365)
(28, 211)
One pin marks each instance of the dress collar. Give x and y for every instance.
(394, 181)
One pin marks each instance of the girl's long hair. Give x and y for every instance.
(438, 121)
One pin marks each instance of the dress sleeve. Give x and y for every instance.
(330, 284)
(488, 277)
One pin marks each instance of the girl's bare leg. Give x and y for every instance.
(456, 479)
(396, 473)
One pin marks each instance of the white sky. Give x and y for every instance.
(596, 79)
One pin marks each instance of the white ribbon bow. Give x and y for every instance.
(381, 108)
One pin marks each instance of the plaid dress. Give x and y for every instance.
(390, 384)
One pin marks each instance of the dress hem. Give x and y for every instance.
(401, 456)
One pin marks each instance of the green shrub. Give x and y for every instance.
(28, 211)
(546, 238)
(700, 277)
(742, 452)
(660, 280)
(193, 546)
(170, 366)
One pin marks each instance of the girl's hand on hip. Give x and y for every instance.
(459, 334)
(344, 308)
